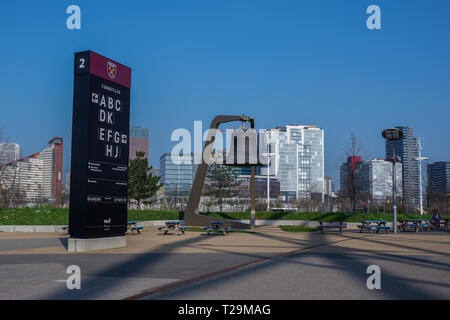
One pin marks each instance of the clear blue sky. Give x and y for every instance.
(283, 62)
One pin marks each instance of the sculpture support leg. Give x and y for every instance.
(252, 204)
(191, 216)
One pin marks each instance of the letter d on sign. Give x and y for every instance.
(74, 280)
(374, 281)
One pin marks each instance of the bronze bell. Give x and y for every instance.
(244, 148)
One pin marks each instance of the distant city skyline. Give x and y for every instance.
(312, 63)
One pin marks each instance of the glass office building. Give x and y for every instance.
(407, 149)
(176, 174)
(439, 178)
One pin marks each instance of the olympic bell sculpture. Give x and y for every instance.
(243, 152)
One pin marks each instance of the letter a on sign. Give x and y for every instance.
(374, 20)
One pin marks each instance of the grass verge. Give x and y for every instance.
(298, 229)
(46, 215)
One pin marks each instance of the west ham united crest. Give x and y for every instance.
(111, 69)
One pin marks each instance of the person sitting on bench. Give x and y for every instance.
(436, 218)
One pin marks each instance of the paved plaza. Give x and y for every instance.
(266, 264)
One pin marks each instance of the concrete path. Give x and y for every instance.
(268, 264)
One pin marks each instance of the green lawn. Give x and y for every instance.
(298, 229)
(316, 216)
(46, 215)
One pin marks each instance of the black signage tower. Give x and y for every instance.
(100, 144)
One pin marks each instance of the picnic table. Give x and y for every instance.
(415, 224)
(216, 226)
(173, 226)
(132, 226)
(370, 225)
(436, 223)
(331, 225)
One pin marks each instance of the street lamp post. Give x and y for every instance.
(394, 190)
(420, 159)
(393, 134)
(268, 155)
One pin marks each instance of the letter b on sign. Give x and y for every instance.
(374, 281)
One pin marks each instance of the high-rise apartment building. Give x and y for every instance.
(407, 149)
(328, 186)
(52, 157)
(38, 176)
(24, 178)
(139, 141)
(374, 179)
(297, 159)
(9, 152)
(439, 178)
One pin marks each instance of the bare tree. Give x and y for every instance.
(12, 191)
(354, 149)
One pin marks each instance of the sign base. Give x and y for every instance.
(84, 245)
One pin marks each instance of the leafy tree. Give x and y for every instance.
(141, 183)
(221, 185)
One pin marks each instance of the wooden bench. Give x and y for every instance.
(331, 225)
